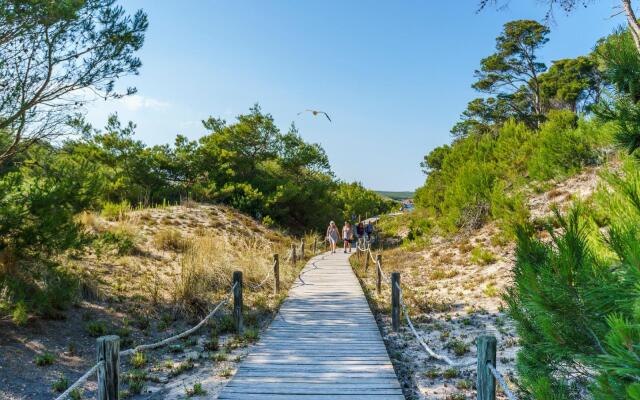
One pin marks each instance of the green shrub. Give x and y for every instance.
(115, 211)
(61, 384)
(96, 328)
(482, 256)
(76, 394)
(121, 240)
(251, 335)
(458, 347)
(484, 177)
(450, 373)
(576, 333)
(45, 359)
(20, 315)
(43, 288)
(564, 145)
(138, 360)
(136, 380)
(213, 343)
(196, 390)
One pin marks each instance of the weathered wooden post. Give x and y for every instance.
(315, 246)
(302, 249)
(237, 301)
(486, 354)
(108, 350)
(293, 254)
(379, 271)
(395, 301)
(276, 273)
(366, 262)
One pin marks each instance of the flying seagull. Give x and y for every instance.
(315, 112)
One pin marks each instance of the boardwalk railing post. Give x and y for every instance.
(293, 254)
(379, 273)
(366, 261)
(486, 354)
(302, 249)
(395, 301)
(276, 273)
(108, 350)
(237, 301)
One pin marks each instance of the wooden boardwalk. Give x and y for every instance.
(324, 344)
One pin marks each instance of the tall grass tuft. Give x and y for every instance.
(208, 263)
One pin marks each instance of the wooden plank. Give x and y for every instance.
(264, 396)
(324, 344)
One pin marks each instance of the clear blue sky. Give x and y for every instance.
(394, 76)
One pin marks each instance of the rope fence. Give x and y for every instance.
(487, 374)
(501, 381)
(80, 381)
(108, 347)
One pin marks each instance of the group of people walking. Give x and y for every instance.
(349, 234)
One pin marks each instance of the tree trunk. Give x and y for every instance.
(634, 26)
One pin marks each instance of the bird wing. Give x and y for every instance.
(326, 115)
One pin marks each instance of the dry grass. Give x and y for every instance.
(144, 264)
(170, 239)
(440, 273)
(207, 266)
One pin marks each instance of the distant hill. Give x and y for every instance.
(396, 195)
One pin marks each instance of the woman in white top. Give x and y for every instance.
(347, 235)
(332, 236)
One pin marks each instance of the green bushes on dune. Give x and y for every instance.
(482, 177)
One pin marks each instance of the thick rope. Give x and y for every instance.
(501, 381)
(423, 343)
(183, 334)
(80, 381)
(259, 285)
(385, 278)
(371, 255)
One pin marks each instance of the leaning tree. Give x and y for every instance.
(53, 55)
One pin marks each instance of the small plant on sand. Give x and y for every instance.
(45, 359)
(20, 314)
(482, 256)
(76, 394)
(220, 356)
(61, 384)
(490, 290)
(226, 373)
(182, 367)
(440, 273)
(432, 373)
(96, 328)
(136, 380)
(196, 390)
(213, 343)
(138, 360)
(450, 373)
(115, 211)
(251, 335)
(464, 384)
(122, 240)
(458, 347)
